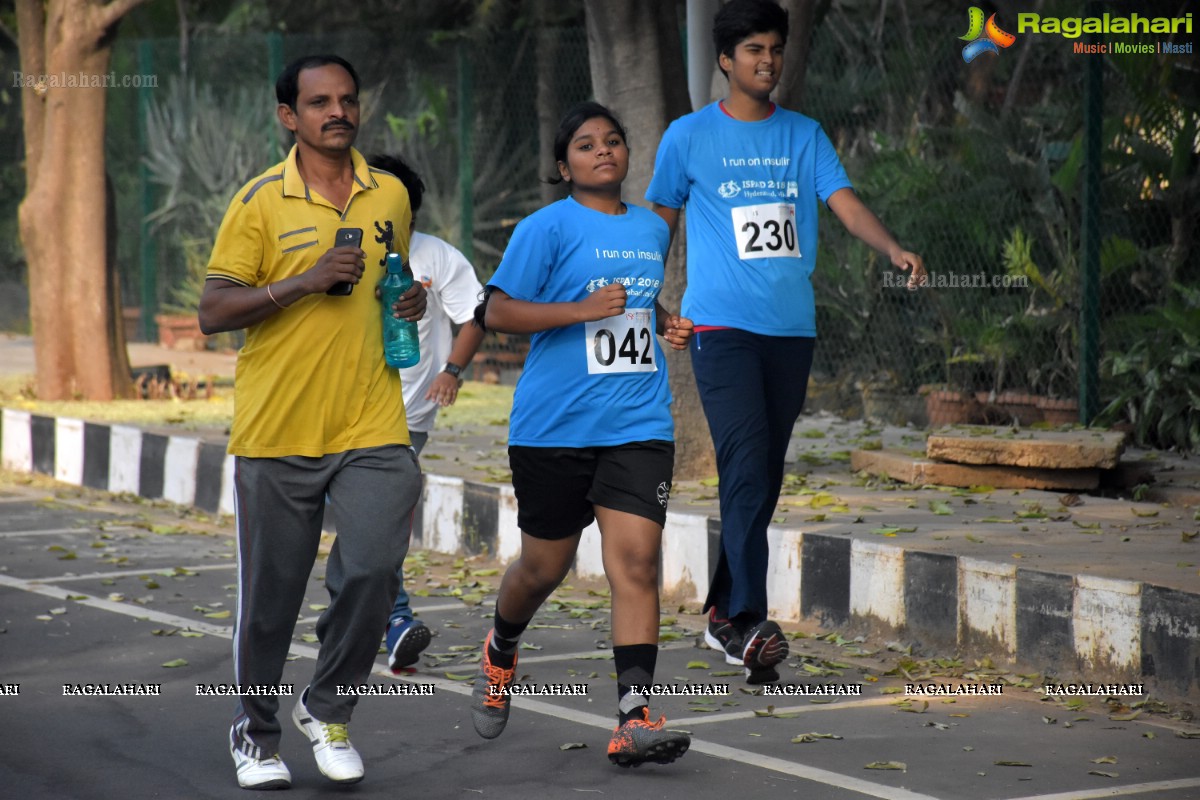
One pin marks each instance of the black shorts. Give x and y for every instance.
(557, 487)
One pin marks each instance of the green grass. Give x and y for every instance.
(479, 405)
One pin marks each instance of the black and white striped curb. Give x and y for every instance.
(1068, 625)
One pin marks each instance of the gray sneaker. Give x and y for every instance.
(489, 700)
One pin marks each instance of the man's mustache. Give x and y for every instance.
(328, 126)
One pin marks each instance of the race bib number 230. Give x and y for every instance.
(765, 231)
(624, 343)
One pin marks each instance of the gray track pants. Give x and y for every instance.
(280, 503)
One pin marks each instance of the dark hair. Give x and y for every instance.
(571, 121)
(738, 20)
(395, 165)
(287, 85)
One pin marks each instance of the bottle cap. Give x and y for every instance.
(395, 264)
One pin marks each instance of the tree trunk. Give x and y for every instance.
(636, 58)
(64, 218)
(549, 51)
(802, 19)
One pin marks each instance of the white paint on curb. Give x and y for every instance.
(987, 601)
(16, 449)
(508, 532)
(783, 573)
(68, 450)
(877, 582)
(226, 505)
(179, 470)
(124, 459)
(441, 529)
(685, 556)
(1108, 623)
(589, 558)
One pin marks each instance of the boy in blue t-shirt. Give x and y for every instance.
(751, 174)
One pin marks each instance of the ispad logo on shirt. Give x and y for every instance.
(983, 37)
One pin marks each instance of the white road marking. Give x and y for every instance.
(419, 609)
(528, 704)
(708, 719)
(125, 573)
(61, 531)
(698, 745)
(1117, 791)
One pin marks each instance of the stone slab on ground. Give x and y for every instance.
(921, 471)
(1016, 447)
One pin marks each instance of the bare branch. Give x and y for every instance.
(12, 37)
(111, 13)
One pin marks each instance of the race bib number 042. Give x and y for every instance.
(765, 231)
(620, 344)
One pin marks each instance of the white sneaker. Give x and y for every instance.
(336, 757)
(261, 773)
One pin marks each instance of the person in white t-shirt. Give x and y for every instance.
(453, 292)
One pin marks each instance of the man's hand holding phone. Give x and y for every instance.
(345, 259)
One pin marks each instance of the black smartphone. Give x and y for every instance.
(345, 237)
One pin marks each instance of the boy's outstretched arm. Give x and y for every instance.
(864, 225)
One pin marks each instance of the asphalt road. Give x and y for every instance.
(95, 591)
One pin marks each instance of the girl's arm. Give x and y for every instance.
(509, 315)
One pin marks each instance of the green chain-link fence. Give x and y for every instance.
(979, 168)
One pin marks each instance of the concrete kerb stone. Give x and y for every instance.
(1081, 625)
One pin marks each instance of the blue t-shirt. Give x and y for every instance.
(592, 384)
(751, 190)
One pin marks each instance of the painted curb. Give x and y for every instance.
(1063, 625)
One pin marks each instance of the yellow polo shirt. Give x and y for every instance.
(311, 379)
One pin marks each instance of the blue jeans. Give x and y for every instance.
(752, 388)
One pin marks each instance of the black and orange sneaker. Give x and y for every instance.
(763, 647)
(720, 634)
(640, 740)
(490, 700)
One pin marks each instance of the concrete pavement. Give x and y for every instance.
(97, 592)
(1084, 587)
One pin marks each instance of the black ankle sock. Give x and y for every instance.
(635, 665)
(505, 638)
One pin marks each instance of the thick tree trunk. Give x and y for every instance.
(64, 217)
(549, 110)
(802, 17)
(638, 71)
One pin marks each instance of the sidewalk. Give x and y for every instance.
(1095, 588)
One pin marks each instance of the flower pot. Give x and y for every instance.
(1020, 406)
(947, 407)
(180, 332)
(1057, 411)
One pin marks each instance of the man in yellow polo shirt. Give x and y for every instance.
(317, 413)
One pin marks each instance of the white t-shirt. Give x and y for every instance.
(454, 291)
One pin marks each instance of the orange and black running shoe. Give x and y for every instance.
(640, 740)
(490, 701)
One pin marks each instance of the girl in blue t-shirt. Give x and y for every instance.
(590, 436)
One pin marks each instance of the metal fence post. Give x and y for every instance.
(466, 164)
(1089, 316)
(274, 67)
(148, 255)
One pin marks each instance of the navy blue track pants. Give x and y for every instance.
(752, 388)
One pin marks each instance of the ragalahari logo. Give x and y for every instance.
(983, 37)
